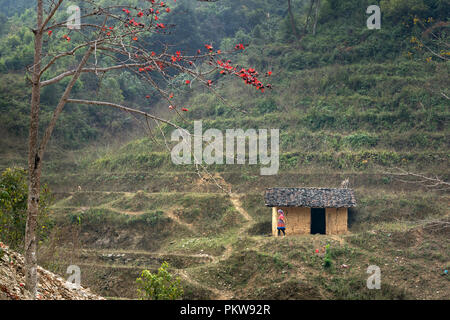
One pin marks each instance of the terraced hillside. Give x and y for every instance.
(219, 242)
(131, 208)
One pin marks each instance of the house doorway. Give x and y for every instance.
(318, 220)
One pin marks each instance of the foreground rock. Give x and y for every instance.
(50, 285)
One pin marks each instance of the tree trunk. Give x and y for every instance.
(292, 20)
(34, 163)
(30, 232)
(316, 16)
(305, 29)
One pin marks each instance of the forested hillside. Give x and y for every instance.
(342, 38)
(350, 102)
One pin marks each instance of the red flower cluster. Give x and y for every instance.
(161, 65)
(177, 56)
(239, 46)
(147, 68)
(141, 13)
(136, 24)
(225, 65)
(249, 76)
(182, 109)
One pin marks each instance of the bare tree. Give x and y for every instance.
(292, 21)
(316, 17)
(432, 183)
(108, 33)
(433, 38)
(313, 4)
(308, 17)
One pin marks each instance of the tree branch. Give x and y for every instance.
(72, 72)
(124, 108)
(435, 183)
(61, 103)
(50, 16)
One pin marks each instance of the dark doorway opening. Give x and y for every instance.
(318, 220)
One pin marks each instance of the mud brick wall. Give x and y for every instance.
(298, 220)
(336, 220)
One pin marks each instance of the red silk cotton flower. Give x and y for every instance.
(188, 81)
(184, 109)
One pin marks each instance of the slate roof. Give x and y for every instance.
(310, 197)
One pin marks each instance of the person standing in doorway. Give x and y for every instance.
(281, 223)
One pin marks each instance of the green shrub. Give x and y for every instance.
(361, 140)
(13, 208)
(327, 263)
(159, 286)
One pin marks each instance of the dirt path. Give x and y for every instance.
(223, 294)
(174, 217)
(236, 200)
(218, 291)
(220, 294)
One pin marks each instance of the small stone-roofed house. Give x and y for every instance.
(311, 210)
